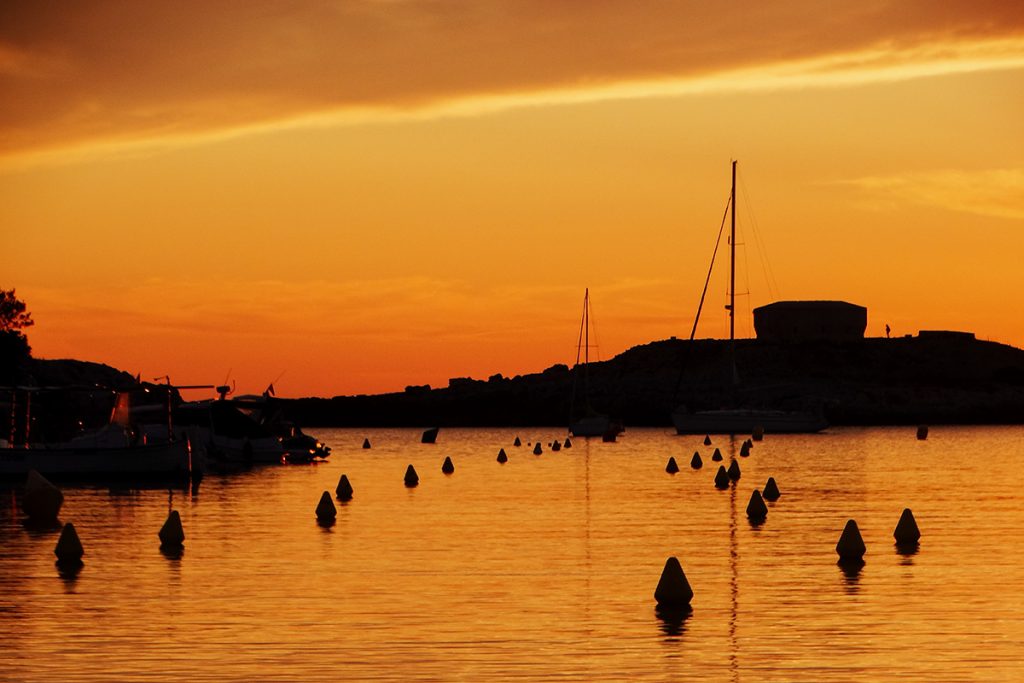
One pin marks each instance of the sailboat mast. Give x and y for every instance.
(732, 259)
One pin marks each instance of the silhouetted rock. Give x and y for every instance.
(695, 462)
(673, 589)
(771, 490)
(448, 466)
(411, 478)
(671, 467)
(344, 489)
(906, 532)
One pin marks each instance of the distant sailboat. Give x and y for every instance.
(737, 420)
(591, 423)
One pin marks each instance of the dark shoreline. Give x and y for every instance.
(932, 379)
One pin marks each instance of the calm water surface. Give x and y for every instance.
(542, 568)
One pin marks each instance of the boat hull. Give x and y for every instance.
(747, 422)
(162, 460)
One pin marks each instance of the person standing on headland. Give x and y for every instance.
(887, 331)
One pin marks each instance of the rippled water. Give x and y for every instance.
(542, 568)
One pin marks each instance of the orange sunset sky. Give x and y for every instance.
(351, 197)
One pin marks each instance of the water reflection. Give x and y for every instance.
(69, 569)
(173, 552)
(851, 574)
(673, 620)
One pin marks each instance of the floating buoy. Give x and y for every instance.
(922, 433)
(325, 510)
(537, 450)
(42, 500)
(906, 532)
(851, 546)
(172, 535)
(556, 445)
(429, 436)
(717, 455)
(695, 462)
(722, 478)
(502, 458)
(448, 467)
(707, 439)
(758, 433)
(366, 443)
(771, 490)
(673, 589)
(411, 478)
(344, 489)
(744, 450)
(567, 444)
(750, 444)
(757, 511)
(517, 442)
(734, 470)
(69, 548)
(671, 467)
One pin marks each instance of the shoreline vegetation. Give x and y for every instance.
(932, 378)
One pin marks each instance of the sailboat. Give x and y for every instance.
(591, 423)
(737, 420)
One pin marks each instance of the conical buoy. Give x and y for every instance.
(429, 436)
(771, 490)
(695, 462)
(906, 532)
(758, 433)
(411, 478)
(517, 442)
(366, 443)
(448, 467)
(757, 511)
(722, 478)
(707, 439)
(749, 443)
(734, 470)
(567, 444)
(673, 589)
(344, 489)
(922, 433)
(537, 450)
(172, 535)
(42, 500)
(671, 467)
(717, 455)
(744, 450)
(69, 548)
(851, 546)
(556, 445)
(325, 510)
(502, 458)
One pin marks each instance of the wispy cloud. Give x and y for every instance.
(993, 192)
(101, 78)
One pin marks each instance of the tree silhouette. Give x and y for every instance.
(13, 316)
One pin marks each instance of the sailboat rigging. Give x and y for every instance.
(591, 423)
(735, 420)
